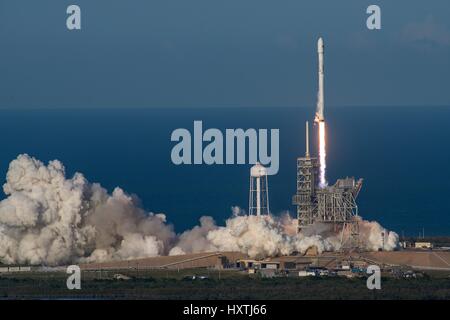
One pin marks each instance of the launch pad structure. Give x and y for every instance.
(316, 201)
(334, 205)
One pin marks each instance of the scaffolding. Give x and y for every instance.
(306, 197)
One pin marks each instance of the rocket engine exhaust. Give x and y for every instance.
(322, 155)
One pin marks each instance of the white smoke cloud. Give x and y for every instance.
(258, 237)
(196, 239)
(51, 220)
(375, 237)
(269, 236)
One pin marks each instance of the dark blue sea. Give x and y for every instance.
(403, 153)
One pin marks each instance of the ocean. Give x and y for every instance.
(402, 153)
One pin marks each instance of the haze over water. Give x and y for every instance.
(401, 152)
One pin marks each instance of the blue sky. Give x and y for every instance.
(203, 53)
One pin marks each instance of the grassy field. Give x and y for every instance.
(171, 284)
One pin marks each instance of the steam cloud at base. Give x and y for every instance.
(50, 219)
(268, 236)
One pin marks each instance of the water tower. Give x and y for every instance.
(259, 191)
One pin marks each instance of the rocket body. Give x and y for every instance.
(320, 95)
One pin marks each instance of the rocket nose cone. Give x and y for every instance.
(320, 44)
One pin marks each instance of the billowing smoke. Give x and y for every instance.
(196, 239)
(268, 236)
(375, 237)
(50, 219)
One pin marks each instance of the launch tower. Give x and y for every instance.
(334, 205)
(307, 181)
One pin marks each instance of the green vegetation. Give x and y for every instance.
(173, 284)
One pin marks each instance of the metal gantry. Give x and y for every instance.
(334, 204)
(306, 197)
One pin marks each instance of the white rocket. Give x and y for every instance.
(320, 100)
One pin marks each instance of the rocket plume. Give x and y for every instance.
(322, 154)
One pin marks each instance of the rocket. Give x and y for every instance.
(320, 100)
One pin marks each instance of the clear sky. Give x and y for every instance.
(209, 53)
